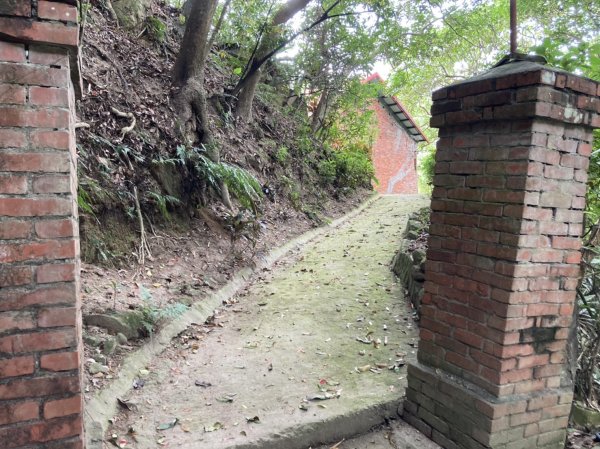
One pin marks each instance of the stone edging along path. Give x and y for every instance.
(103, 406)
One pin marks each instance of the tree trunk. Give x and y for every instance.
(243, 109)
(246, 88)
(189, 98)
(318, 117)
(218, 26)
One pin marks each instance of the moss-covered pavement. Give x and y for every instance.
(313, 351)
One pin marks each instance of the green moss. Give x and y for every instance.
(157, 30)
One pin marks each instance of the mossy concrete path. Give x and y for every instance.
(312, 352)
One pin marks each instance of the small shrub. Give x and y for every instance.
(293, 192)
(283, 156)
(354, 168)
(327, 170)
(156, 29)
(427, 169)
(348, 168)
(153, 315)
(162, 203)
(242, 185)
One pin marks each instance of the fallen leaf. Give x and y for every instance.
(323, 396)
(125, 403)
(168, 425)
(226, 398)
(203, 384)
(214, 427)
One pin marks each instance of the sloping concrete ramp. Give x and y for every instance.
(311, 353)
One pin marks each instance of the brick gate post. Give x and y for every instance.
(40, 330)
(503, 259)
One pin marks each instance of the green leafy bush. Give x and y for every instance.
(242, 185)
(427, 168)
(327, 170)
(348, 168)
(283, 155)
(153, 315)
(157, 30)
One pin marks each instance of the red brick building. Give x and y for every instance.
(394, 153)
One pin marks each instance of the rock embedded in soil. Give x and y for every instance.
(121, 339)
(92, 341)
(96, 368)
(127, 323)
(109, 346)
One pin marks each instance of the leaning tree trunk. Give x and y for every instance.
(218, 26)
(243, 110)
(318, 117)
(246, 88)
(189, 97)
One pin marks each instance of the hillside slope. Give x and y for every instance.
(132, 173)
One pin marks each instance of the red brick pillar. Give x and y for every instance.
(40, 344)
(503, 259)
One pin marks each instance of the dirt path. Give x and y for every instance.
(295, 334)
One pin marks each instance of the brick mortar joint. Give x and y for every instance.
(473, 390)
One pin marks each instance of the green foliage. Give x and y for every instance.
(348, 168)
(283, 155)
(350, 133)
(84, 201)
(327, 169)
(156, 29)
(162, 203)
(242, 185)
(426, 168)
(99, 249)
(153, 315)
(593, 192)
(587, 378)
(291, 189)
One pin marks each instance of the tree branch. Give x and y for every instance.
(218, 26)
(325, 16)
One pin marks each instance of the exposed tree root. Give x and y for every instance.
(143, 249)
(129, 115)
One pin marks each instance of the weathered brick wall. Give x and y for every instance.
(503, 259)
(40, 382)
(394, 156)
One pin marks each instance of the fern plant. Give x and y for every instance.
(162, 203)
(152, 314)
(242, 185)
